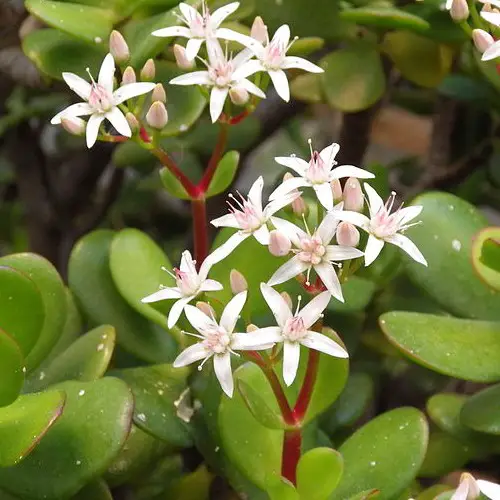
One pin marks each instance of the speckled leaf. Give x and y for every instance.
(11, 369)
(482, 411)
(460, 348)
(485, 256)
(367, 463)
(79, 446)
(24, 423)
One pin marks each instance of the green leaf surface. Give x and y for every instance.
(11, 369)
(79, 446)
(354, 78)
(365, 495)
(173, 185)
(367, 462)
(482, 411)
(282, 489)
(224, 175)
(445, 238)
(91, 282)
(307, 88)
(24, 423)
(486, 256)
(82, 21)
(465, 349)
(318, 473)
(53, 293)
(96, 490)
(156, 389)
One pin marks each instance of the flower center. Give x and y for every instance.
(221, 73)
(318, 171)
(312, 250)
(294, 329)
(100, 99)
(247, 215)
(274, 55)
(217, 341)
(383, 223)
(188, 283)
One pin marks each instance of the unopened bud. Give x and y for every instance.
(279, 244)
(473, 491)
(347, 235)
(129, 76)
(259, 30)
(237, 282)
(159, 93)
(353, 196)
(118, 47)
(482, 39)
(459, 10)
(29, 25)
(206, 308)
(181, 58)
(74, 125)
(132, 121)
(252, 328)
(148, 71)
(287, 299)
(239, 96)
(299, 206)
(157, 116)
(336, 190)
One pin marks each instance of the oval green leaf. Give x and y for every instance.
(96, 490)
(482, 411)
(11, 369)
(385, 17)
(224, 175)
(486, 256)
(173, 185)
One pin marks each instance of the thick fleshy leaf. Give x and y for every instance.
(481, 412)
(53, 293)
(156, 389)
(354, 78)
(82, 21)
(358, 293)
(365, 495)
(460, 348)
(281, 489)
(91, 282)
(307, 88)
(79, 446)
(96, 490)
(433, 492)
(24, 423)
(486, 256)
(318, 473)
(367, 463)
(173, 185)
(11, 369)
(224, 175)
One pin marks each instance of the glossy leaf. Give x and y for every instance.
(445, 238)
(24, 423)
(11, 369)
(53, 293)
(460, 348)
(91, 282)
(365, 495)
(432, 492)
(482, 412)
(305, 46)
(367, 463)
(318, 473)
(80, 446)
(224, 175)
(96, 490)
(282, 489)
(486, 256)
(307, 88)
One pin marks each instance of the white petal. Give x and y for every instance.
(221, 13)
(227, 247)
(258, 339)
(217, 100)
(205, 268)
(296, 164)
(73, 111)
(247, 69)
(495, 3)
(118, 120)
(280, 83)
(291, 358)
(131, 90)
(190, 355)
(326, 230)
(375, 202)
(300, 63)
(93, 129)
(222, 368)
(107, 73)
(176, 310)
(193, 78)
(211, 286)
(492, 52)
(262, 235)
(199, 320)
(228, 220)
(337, 252)
(276, 303)
(329, 278)
(322, 343)
(173, 31)
(288, 271)
(277, 204)
(187, 263)
(314, 309)
(226, 34)
(408, 246)
(251, 87)
(290, 230)
(189, 13)
(373, 248)
(329, 153)
(491, 490)
(232, 311)
(78, 85)
(193, 47)
(350, 171)
(355, 218)
(241, 58)
(289, 185)
(255, 193)
(409, 213)
(163, 294)
(462, 492)
(491, 17)
(324, 194)
(282, 36)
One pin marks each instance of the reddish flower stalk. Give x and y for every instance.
(199, 211)
(307, 388)
(292, 442)
(217, 153)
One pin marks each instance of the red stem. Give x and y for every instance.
(199, 211)
(292, 442)
(280, 396)
(214, 159)
(306, 390)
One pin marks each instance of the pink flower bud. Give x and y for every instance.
(206, 308)
(482, 39)
(129, 76)
(157, 116)
(118, 47)
(74, 125)
(259, 30)
(237, 282)
(132, 121)
(159, 94)
(239, 96)
(181, 59)
(287, 299)
(353, 196)
(279, 244)
(459, 10)
(336, 190)
(299, 206)
(148, 71)
(347, 235)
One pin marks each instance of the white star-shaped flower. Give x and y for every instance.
(384, 226)
(272, 58)
(318, 173)
(471, 489)
(294, 330)
(313, 251)
(190, 284)
(218, 340)
(100, 101)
